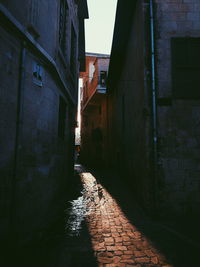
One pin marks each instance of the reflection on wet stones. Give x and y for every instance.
(114, 239)
(76, 216)
(84, 205)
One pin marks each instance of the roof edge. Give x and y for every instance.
(122, 29)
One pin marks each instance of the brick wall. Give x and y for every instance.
(94, 112)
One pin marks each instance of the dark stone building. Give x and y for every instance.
(94, 110)
(41, 51)
(154, 96)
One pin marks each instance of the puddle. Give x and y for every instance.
(76, 214)
(81, 207)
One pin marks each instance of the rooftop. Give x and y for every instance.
(97, 55)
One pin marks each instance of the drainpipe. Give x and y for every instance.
(154, 104)
(19, 122)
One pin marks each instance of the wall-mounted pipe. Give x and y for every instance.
(154, 94)
(19, 122)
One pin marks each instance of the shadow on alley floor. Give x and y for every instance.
(104, 227)
(67, 244)
(177, 250)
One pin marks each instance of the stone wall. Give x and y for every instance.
(178, 119)
(129, 112)
(38, 92)
(9, 73)
(170, 184)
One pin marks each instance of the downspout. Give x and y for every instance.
(19, 122)
(154, 103)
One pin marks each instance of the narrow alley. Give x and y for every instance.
(105, 229)
(99, 133)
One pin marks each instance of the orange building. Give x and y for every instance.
(94, 110)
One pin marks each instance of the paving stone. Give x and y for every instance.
(128, 261)
(116, 242)
(106, 234)
(149, 253)
(116, 259)
(127, 243)
(109, 243)
(123, 257)
(128, 252)
(105, 254)
(119, 252)
(114, 248)
(105, 260)
(115, 234)
(142, 260)
(139, 253)
(154, 260)
(126, 238)
(109, 239)
(115, 265)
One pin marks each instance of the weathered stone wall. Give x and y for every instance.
(44, 160)
(174, 184)
(38, 14)
(9, 73)
(178, 119)
(130, 152)
(36, 163)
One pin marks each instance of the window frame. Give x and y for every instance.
(178, 68)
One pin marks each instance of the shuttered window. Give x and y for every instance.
(62, 25)
(186, 67)
(103, 78)
(73, 53)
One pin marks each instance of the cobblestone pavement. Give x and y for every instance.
(115, 241)
(105, 228)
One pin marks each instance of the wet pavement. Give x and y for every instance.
(104, 227)
(110, 230)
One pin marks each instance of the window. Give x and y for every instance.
(37, 74)
(103, 78)
(33, 15)
(62, 25)
(186, 67)
(91, 71)
(33, 12)
(73, 51)
(62, 118)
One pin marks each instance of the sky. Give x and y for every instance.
(99, 26)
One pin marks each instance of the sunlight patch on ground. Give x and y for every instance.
(114, 239)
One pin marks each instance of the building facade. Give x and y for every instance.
(154, 102)
(94, 110)
(41, 51)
